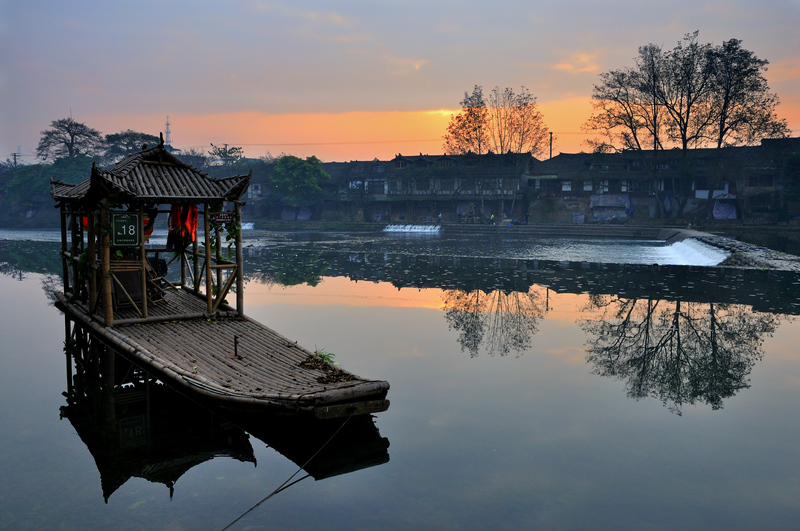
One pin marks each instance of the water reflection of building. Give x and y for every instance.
(135, 426)
(763, 290)
(680, 334)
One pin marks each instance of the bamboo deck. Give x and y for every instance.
(264, 370)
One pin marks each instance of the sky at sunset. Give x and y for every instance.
(344, 80)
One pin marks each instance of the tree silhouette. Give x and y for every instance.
(297, 182)
(125, 143)
(288, 267)
(68, 138)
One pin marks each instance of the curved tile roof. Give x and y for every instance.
(151, 175)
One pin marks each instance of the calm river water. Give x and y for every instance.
(534, 385)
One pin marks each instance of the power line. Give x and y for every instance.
(365, 142)
(360, 142)
(348, 143)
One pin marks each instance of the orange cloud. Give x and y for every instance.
(788, 70)
(579, 63)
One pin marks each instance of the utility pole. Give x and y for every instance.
(15, 158)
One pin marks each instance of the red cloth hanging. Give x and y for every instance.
(174, 221)
(182, 225)
(190, 222)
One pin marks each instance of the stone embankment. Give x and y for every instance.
(747, 255)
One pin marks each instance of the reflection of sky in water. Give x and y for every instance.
(534, 441)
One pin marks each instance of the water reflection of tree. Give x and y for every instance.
(678, 352)
(290, 268)
(19, 258)
(502, 322)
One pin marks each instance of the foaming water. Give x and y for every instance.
(687, 252)
(596, 250)
(693, 252)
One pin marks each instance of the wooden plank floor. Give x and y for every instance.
(176, 302)
(264, 369)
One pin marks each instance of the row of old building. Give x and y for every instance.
(726, 183)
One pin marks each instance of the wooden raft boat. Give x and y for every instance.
(186, 333)
(238, 360)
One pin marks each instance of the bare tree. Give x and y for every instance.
(508, 121)
(624, 112)
(68, 138)
(685, 92)
(692, 96)
(515, 123)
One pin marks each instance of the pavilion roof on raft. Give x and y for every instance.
(152, 175)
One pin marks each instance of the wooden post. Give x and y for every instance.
(64, 263)
(143, 255)
(219, 258)
(91, 262)
(73, 251)
(105, 266)
(209, 280)
(196, 266)
(239, 260)
(184, 265)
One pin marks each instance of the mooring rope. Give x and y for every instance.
(286, 484)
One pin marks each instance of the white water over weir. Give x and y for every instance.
(693, 252)
(427, 229)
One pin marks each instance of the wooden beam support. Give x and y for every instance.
(143, 256)
(105, 265)
(209, 280)
(239, 259)
(91, 273)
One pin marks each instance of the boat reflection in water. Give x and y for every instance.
(135, 426)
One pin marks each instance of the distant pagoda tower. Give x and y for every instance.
(167, 138)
